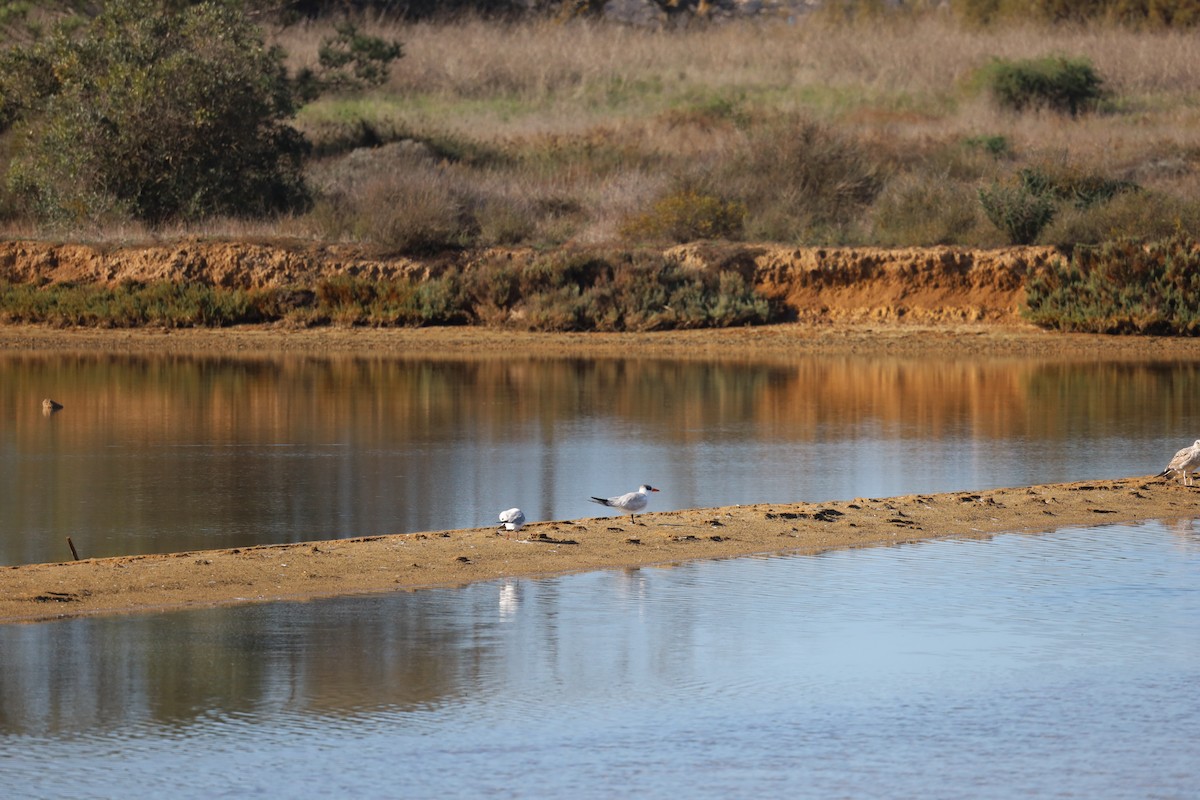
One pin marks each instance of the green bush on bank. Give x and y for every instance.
(132, 305)
(1121, 287)
(567, 292)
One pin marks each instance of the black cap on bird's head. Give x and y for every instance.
(645, 487)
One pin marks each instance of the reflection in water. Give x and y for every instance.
(159, 454)
(1013, 665)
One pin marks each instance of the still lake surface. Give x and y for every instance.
(173, 454)
(1055, 665)
(1062, 664)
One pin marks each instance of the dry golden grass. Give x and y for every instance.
(680, 101)
(580, 125)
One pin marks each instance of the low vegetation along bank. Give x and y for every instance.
(1122, 287)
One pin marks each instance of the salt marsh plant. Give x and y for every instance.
(1124, 286)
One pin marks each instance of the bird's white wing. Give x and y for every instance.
(1181, 458)
(633, 501)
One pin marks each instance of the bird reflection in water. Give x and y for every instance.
(509, 601)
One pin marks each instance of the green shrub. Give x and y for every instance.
(1080, 189)
(1068, 85)
(351, 300)
(1121, 287)
(1025, 204)
(162, 114)
(165, 112)
(353, 60)
(568, 291)
(1017, 210)
(131, 305)
(578, 291)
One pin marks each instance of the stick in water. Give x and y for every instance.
(72, 546)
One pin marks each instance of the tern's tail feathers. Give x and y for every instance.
(599, 500)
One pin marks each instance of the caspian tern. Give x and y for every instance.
(1184, 462)
(512, 519)
(632, 502)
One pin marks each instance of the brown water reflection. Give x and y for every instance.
(171, 453)
(99, 674)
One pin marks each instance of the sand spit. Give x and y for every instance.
(387, 563)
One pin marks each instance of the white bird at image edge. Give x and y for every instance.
(632, 502)
(512, 519)
(1184, 463)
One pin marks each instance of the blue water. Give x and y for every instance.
(1052, 665)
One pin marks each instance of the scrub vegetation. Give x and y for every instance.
(550, 125)
(1122, 287)
(610, 291)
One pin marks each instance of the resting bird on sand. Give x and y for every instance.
(632, 502)
(1184, 462)
(512, 519)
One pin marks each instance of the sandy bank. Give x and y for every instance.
(882, 339)
(449, 558)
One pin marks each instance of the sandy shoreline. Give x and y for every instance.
(373, 564)
(379, 563)
(858, 338)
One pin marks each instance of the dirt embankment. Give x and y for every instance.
(938, 284)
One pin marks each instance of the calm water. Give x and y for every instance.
(177, 453)
(1057, 665)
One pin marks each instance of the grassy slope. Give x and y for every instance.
(545, 133)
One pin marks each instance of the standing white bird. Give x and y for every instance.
(1184, 463)
(512, 519)
(632, 502)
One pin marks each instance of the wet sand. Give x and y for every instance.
(382, 563)
(451, 558)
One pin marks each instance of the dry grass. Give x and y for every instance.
(615, 115)
(544, 132)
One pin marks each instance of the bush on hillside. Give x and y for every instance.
(1017, 210)
(159, 114)
(1026, 203)
(801, 181)
(165, 111)
(1143, 215)
(687, 215)
(1057, 83)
